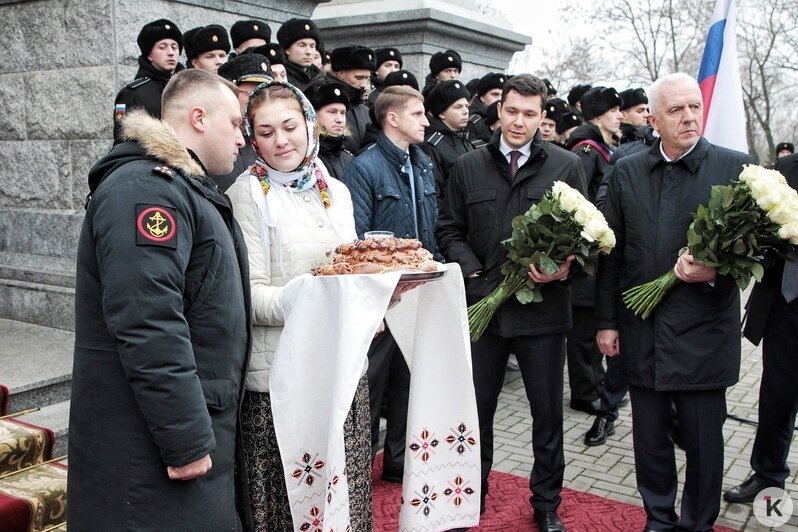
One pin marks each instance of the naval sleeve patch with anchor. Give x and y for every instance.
(156, 226)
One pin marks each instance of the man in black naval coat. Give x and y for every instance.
(160, 43)
(688, 352)
(162, 325)
(773, 319)
(299, 38)
(487, 188)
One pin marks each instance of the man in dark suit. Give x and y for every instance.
(773, 318)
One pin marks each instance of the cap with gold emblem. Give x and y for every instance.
(205, 39)
(382, 55)
(490, 81)
(273, 52)
(249, 67)
(352, 58)
(324, 92)
(297, 28)
(598, 101)
(445, 94)
(155, 31)
(401, 77)
(443, 60)
(244, 30)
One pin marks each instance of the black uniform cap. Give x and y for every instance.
(555, 108)
(443, 60)
(633, 97)
(324, 91)
(273, 52)
(445, 94)
(492, 112)
(550, 90)
(351, 58)
(251, 67)
(157, 30)
(568, 120)
(490, 81)
(598, 101)
(576, 93)
(243, 30)
(382, 55)
(204, 39)
(789, 146)
(297, 28)
(400, 77)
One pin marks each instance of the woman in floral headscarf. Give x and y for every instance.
(293, 215)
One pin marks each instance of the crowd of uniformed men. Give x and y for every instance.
(487, 155)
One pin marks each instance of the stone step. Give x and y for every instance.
(39, 269)
(35, 364)
(56, 418)
(49, 305)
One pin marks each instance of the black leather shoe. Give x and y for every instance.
(588, 407)
(548, 522)
(746, 492)
(602, 427)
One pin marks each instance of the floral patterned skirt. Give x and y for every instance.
(267, 492)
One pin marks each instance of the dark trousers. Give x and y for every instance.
(541, 361)
(389, 375)
(613, 388)
(778, 393)
(701, 415)
(585, 369)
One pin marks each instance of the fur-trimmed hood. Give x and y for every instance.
(146, 138)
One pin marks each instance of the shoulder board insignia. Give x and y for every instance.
(164, 170)
(474, 118)
(136, 83)
(155, 226)
(435, 138)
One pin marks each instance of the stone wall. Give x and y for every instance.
(64, 62)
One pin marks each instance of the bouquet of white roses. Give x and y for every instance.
(563, 223)
(732, 233)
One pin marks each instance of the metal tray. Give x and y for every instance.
(421, 277)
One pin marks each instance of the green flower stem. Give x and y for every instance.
(480, 313)
(642, 299)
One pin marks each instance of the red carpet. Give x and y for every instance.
(508, 508)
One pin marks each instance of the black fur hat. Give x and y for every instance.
(568, 120)
(250, 67)
(576, 93)
(443, 60)
(204, 39)
(323, 91)
(273, 52)
(555, 108)
(490, 81)
(445, 94)
(351, 58)
(633, 97)
(243, 30)
(598, 101)
(298, 28)
(400, 77)
(789, 146)
(382, 55)
(550, 90)
(492, 112)
(157, 30)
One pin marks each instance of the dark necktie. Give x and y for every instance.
(789, 281)
(514, 156)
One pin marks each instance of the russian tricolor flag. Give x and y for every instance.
(719, 78)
